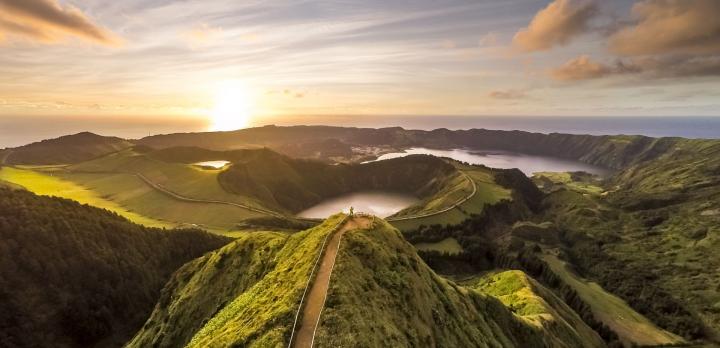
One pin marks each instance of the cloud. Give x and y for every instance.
(508, 94)
(556, 25)
(648, 68)
(670, 26)
(49, 21)
(666, 39)
(581, 68)
(202, 35)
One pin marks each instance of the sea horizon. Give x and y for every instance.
(18, 131)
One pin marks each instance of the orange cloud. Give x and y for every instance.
(508, 94)
(670, 26)
(556, 25)
(581, 68)
(49, 21)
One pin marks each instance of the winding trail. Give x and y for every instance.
(315, 300)
(457, 204)
(160, 188)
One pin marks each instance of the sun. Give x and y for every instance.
(232, 109)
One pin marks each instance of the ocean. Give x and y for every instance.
(16, 131)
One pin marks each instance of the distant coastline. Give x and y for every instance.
(16, 131)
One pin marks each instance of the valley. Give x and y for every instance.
(617, 254)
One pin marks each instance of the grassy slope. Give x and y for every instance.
(532, 302)
(184, 179)
(453, 190)
(383, 295)
(630, 325)
(245, 294)
(488, 192)
(48, 185)
(553, 180)
(658, 217)
(180, 313)
(132, 192)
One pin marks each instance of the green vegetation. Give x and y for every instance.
(630, 326)
(576, 181)
(532, 301)
(76, 276)
(48, 184)
(383, 295)
(242, 295)
(514, 289)
(647, 240)
(134, 193)
(293, 185)
(183, 179)
(487, 192)
(447, 245)
(67, 149)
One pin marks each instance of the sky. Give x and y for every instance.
(252, 60)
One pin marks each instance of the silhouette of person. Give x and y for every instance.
(351, 211)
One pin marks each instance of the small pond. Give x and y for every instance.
(212, 164)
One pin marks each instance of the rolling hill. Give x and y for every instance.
(294, 185)
(65, 150)
(381, 294)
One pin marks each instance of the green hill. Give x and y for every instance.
(78, 276)
(612, 151)
(66, 149)
(245, 293)
(381, 294)
(294, 185)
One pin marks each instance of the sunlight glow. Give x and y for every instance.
(232, 109)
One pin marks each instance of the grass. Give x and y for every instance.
(382, 295)
(580, 184)
(263, 315)
(132, 192)
(488, 192)
(204, 286)
(47, 184)
(630, 325)
(184, 179)
(514, 289)
(447, 245)
(454, 190)
(128, 196)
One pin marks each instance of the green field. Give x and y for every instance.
(184, 179)
(631, 326)
(47, 184)
(447, 245)
(130, 197)
(488, 192)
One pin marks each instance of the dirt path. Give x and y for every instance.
(457, 204)
(315, 301)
